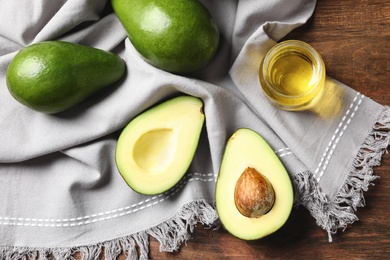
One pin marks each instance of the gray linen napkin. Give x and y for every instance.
(60, 189)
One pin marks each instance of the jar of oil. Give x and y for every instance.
(292, 75)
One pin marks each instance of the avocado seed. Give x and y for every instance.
(254, 195)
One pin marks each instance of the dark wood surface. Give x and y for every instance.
(353, 36)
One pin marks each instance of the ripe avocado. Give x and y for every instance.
(156, 148)
(53, 76)
(251, 170)
(177, 36)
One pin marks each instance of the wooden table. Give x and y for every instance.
(353, 36)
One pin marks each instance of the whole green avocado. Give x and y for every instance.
(177, 36)
(52, 76)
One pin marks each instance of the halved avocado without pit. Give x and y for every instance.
(156, 148)
(254, 193)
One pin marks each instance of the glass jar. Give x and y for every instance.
(292, 75)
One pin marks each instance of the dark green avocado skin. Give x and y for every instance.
(53, 76)
(178, 36)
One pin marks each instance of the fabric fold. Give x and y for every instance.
(338, 213)
(62, 193)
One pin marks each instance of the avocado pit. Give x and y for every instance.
(254, 195)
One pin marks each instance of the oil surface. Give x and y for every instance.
(292, 74)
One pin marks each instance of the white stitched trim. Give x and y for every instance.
(346, 120)
(283, 152)
(107, 215)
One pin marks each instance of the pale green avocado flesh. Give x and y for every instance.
(53, 76)
(177, 36)
(156, 148)
(244, 149)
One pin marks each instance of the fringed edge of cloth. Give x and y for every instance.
(171, 234)
(330, 215)
(340, 212)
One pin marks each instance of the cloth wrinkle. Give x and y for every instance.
(77, 201)
(339, 213)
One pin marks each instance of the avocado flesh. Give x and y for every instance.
(156, 148)
(177, 36)
(53, 76)
(246, 148)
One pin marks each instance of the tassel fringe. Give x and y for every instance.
(339, 213)
(171, 234)
(330, 215)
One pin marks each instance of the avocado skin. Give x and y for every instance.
(177, 125)
(177, 36)
(247, 148)
(53, 76)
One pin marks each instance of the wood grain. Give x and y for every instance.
(353, 36)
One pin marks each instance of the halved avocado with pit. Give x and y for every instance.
(156, 148)
(254, 193)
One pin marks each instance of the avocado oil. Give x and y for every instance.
(292, 75)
